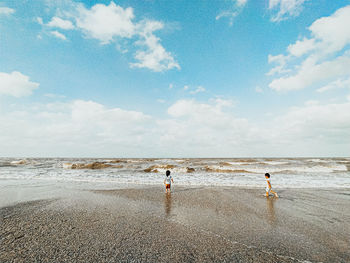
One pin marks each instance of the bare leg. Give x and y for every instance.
(273, 192)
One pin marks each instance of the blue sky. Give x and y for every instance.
(229, 78)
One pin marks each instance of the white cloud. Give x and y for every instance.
(325, 55)
(286, 9)
(329, 35)
(227, 14)
(281, 62)
(105, 23)
(311, 73)
(40, 21)
(121, 48)
(115, 24)
(60, 23)
(16, 84)
(58, 35)
(313, 129)
(327, 123)
(332, 33)
(87, 111)
(194, 90)
(233, 11)
(194, 109)
(180, 108)
(57, 22)
(154, 57)
(198, 90)
(222, 103)
(77, 128)
(241, 2)
(205, 129)
(191, 128)
(6, 11)
(112, 23)
(301, 47)
(337, 84)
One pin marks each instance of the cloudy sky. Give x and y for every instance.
(187, 78)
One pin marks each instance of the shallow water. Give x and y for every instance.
(285, 172)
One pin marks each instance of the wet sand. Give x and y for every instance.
(207, 224)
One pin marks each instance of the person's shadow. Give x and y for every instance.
(270, 206)
(167, 204)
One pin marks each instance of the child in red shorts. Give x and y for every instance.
(167, 181)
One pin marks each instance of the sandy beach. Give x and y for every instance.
(205, 224)
(106, 104)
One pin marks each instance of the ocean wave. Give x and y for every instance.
(116, 161)
(275, 162)
(24, 162)
(155, 168)
(220, 170)
(161, 168)
(94, 165)
(6, 164)
(278, 169)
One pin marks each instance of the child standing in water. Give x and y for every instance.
(268, 186)
(167, 181)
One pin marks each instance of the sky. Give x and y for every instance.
(185, 78)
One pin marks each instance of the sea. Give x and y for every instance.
(239, 172)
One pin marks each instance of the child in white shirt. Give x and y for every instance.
(269, 187)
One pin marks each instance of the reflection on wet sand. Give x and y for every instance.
(271, 217)
(167, 204)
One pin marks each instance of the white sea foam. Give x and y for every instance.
(275, 162)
